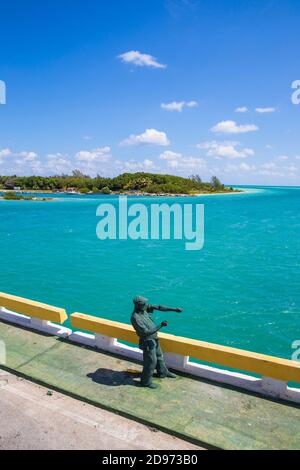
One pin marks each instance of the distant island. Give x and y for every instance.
(126, 183)
(13, 196)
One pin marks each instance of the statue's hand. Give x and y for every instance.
(178, 310)
(164, 323)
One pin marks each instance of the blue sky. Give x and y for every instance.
(172, 86)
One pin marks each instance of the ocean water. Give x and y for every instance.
(242, 289)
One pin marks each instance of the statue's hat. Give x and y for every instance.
(140, 300)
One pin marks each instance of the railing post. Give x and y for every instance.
(275, 388)
(2, 353)
(104, 342)
(176, 361)
(38, 323)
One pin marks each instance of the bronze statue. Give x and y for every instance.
(147, 332)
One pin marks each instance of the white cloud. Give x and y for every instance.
(269, 166)
(231, 127)
(246, 167)
(265, 110)
(133, 166)
(291, 168)
(282, 158)
(5, 153)
(149, 137)
(270, 172)
(173, 106)
(242, 109)
(98, 154)
(242, 167)
(187, 163)
(191, 104)
(225, 149)
(58, 164)
(182, 163)
(178, 105)
(169, 155)
(27, 156)
(148, 163)
(20, 163)
(25, 166)
(141, 60)
(24, 154)
(272, 169)
(89, 162)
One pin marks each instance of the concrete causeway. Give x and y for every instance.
(206, 413)
(34, 420)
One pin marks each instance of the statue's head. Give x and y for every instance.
(140, 302)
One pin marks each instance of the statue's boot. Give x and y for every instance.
(151, 385)
(168, 374)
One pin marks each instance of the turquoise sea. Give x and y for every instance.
(242, 289)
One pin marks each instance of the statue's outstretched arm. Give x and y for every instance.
(163, 308)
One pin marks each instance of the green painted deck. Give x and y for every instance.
(207, 413)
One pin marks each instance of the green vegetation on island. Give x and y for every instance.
(144, 183)
(13, 196)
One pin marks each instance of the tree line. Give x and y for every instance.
(140, 182)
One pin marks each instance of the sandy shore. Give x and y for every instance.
(130, 194)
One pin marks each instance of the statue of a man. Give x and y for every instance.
(147, 332)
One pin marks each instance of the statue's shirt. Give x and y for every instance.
(143, 324)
